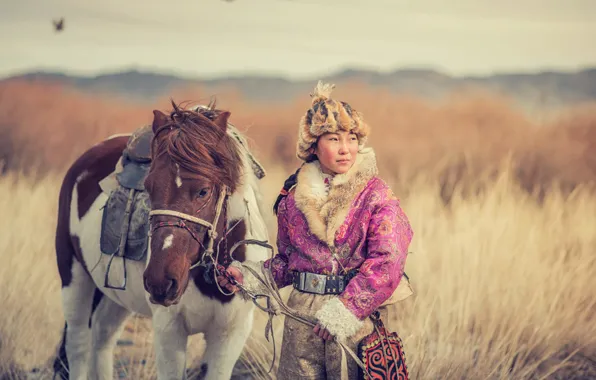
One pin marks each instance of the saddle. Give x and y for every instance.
(125, 219)
(136, 159)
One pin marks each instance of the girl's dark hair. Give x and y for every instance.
(289, 183)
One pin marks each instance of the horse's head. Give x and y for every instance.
(195, 165)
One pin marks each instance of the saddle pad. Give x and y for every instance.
(113, 219)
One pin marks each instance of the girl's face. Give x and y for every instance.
(337, 151)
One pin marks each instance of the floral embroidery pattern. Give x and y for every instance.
(374, 238)
(385, 228)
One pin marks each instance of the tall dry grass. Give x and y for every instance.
(505, 281)
(505, 288)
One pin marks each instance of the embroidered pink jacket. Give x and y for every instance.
(360, 220)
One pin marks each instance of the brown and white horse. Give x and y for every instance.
(199, 172)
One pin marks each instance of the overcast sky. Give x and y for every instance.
(297, 38)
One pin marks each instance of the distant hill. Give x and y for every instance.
(545, 89)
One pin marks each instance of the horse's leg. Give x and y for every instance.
(170, 340)
(77, 304)
(106, 325)
(61, 362)
(225, 341)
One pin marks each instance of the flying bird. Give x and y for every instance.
(59, 25)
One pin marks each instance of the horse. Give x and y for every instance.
(202, 190)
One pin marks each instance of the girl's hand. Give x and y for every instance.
(224, 282)
(322, 332)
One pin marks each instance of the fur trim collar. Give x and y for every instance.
(325, 213)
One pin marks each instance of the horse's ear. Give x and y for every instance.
(222, 120)
(159, 119)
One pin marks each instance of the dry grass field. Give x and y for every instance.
(503, 262)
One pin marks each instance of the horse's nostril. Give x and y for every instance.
(169, 286)
(173, 287)
(166, 288)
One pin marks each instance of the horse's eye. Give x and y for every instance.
(202, 193)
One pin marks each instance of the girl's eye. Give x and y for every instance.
(202, 193)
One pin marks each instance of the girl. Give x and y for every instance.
(342, 242)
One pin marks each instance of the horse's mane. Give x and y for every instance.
(192, 141)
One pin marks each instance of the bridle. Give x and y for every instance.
(210, 226)
(206, 259)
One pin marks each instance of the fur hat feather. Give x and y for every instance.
(322, 92)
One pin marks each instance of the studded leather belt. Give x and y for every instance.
(320, 283)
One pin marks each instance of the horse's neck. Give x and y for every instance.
(245, 203)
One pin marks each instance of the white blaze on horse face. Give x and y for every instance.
(178, 179)
(168, 241)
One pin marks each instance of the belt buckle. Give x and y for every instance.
(314, 283)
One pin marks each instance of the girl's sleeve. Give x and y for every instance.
(388, 238)
(278, 264)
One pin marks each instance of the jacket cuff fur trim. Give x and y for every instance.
(338, 319)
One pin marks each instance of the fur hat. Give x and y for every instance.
(328, 115)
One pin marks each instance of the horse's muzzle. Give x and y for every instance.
(165, 296)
